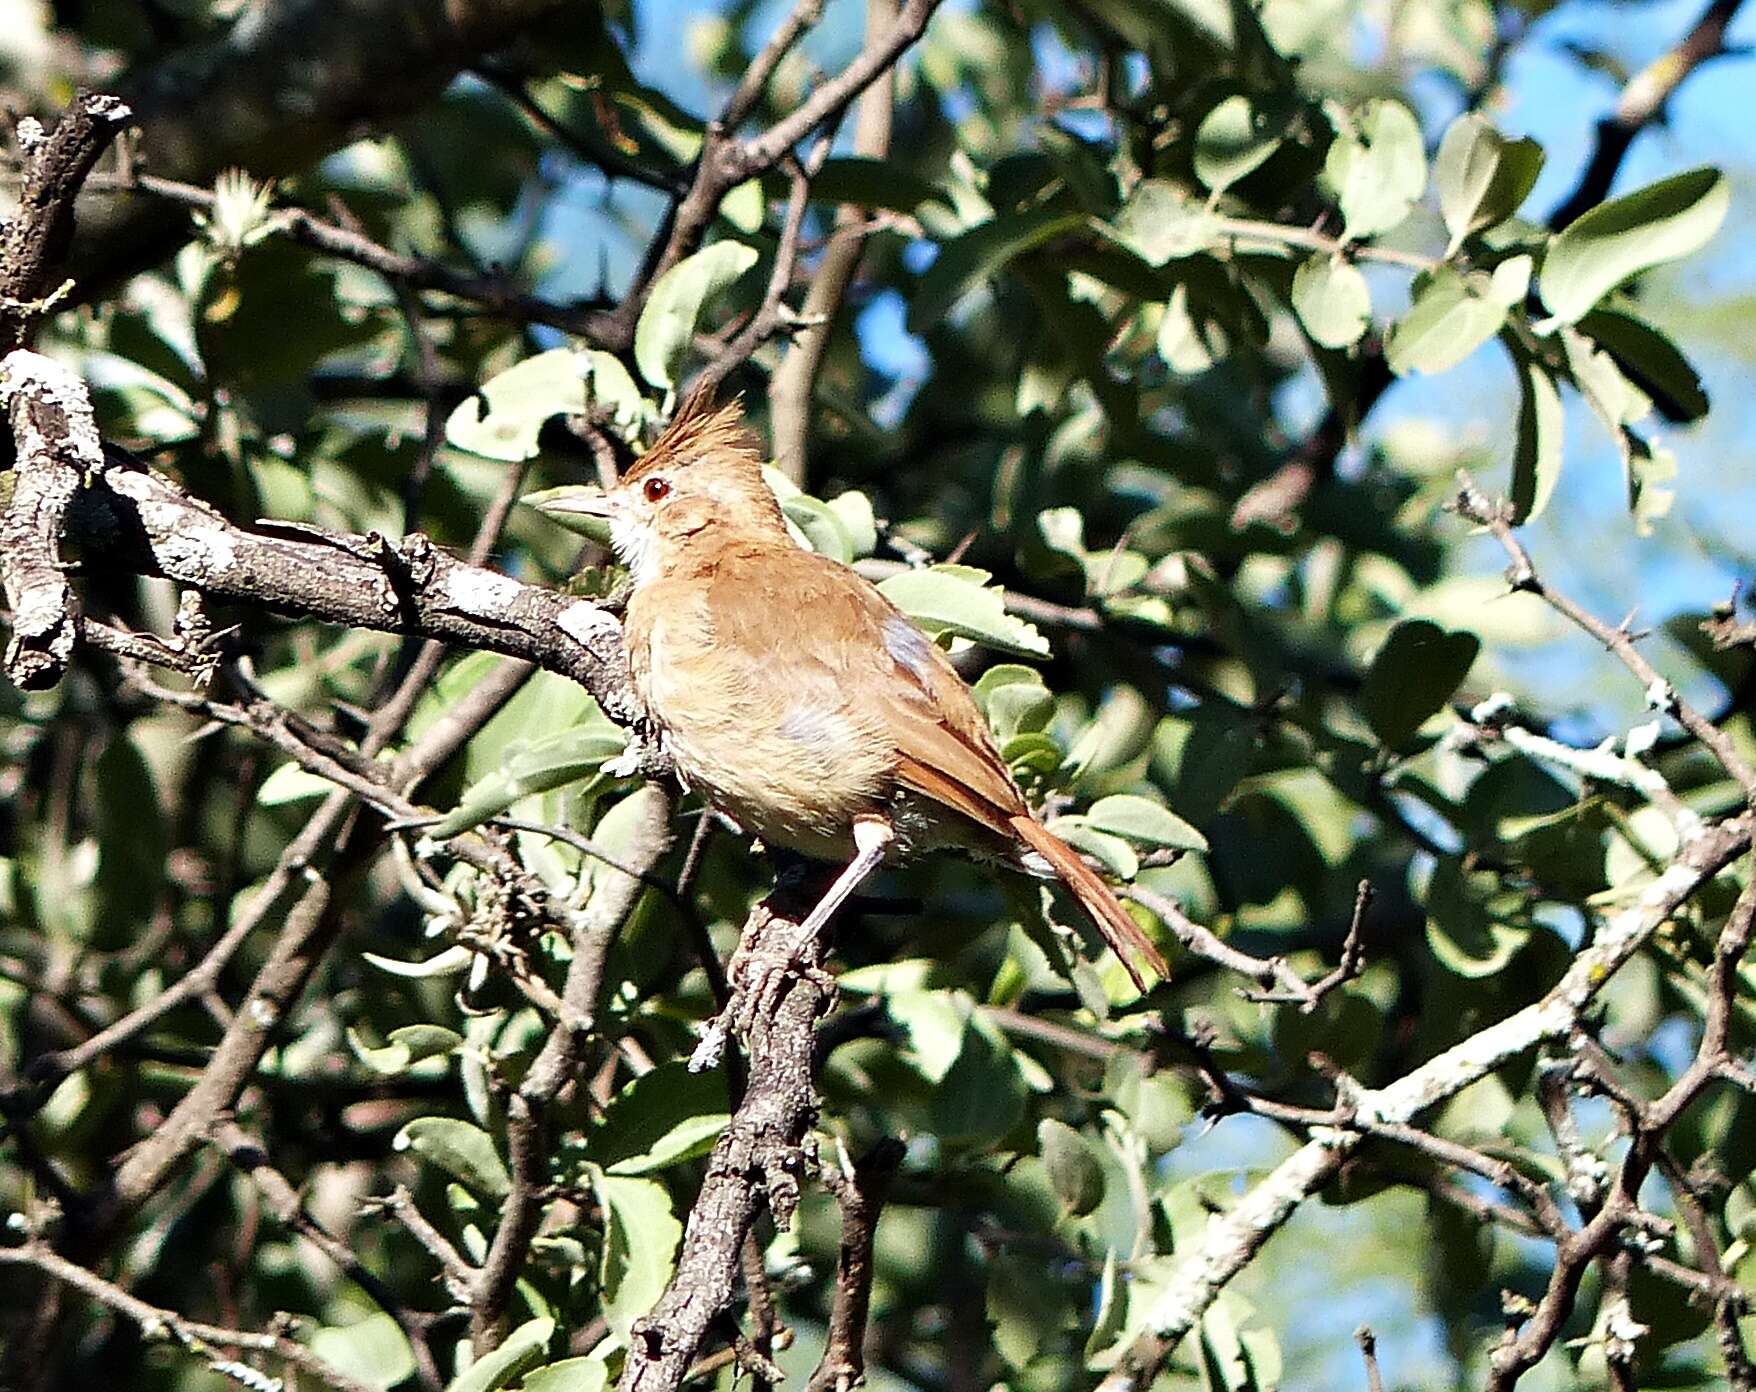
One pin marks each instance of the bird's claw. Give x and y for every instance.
(759, 977)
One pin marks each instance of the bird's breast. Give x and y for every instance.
(785, 754)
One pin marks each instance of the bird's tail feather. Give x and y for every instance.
(1098, 900)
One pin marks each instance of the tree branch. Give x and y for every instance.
(726, 162)
(1233, 1238)
(274, 92)
(757, 1160)
(591, 933)
(1473, 504)
(860, 1191)
(198, 1338)
(36, 238)
(1642, 102)
(791, 389)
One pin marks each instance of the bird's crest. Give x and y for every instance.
(703, 425)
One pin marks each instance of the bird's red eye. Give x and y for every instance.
(654, 489)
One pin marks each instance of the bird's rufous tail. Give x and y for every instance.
(1098, 900)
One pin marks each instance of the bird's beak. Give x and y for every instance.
(574, 500)
(586, 511)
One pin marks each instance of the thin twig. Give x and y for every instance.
(200, 1339)
(1522, 575)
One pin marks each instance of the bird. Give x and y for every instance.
(795, 697)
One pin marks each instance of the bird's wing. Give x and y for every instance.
(808, 618)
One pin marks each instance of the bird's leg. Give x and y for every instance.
(758, 976)
(872, 838)
(766, 973)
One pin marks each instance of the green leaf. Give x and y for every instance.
(1332, 301)
(373, 1350)
(407, 1046)
(641, 1233)
(1536, 455)
(1618, 240)
(1026, 1304)
(523, 1348)
(1648, 468)
(133, 840)
(874, 183)
(1189, 345)
(609, 384)
(534, 766)
(292, 783)
(1650, 360)
(1467, 937)
(519, 400)
(744, 207)
(1014, 700)
(936, 1023)
(1482, 176)
(664, 1116)
(853, 509)
(1234, 139)
(1117, 856)
(980, 253)
(1607, 390)
(667, 326)
(463, 1151)
(1075, 1173)
(1144, 821)
(1414, 674)
(819, 525)
(957, 600)
(1159, 222)
(569, 1375)
(1378, 168)
(1447, 322)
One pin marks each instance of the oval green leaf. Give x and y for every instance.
(1447, 322)
(464, 1151)
(1378, 168)
(1074, 1172)
(1482, 177)
(949, 599)
(667, 325)
(1332, 300)
(1618, 240)
(1142, 820)
(1415, 673)
(1233, 140)
(523, 1348)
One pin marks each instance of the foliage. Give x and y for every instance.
(1132, 244)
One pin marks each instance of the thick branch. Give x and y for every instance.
(143, 520)
(58, 448)
(286, 84)
(36, 239)
(756, 1162)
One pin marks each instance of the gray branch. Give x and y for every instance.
(58, 450)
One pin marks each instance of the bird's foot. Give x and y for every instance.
(759, 974)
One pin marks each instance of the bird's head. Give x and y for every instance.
(702, 477)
